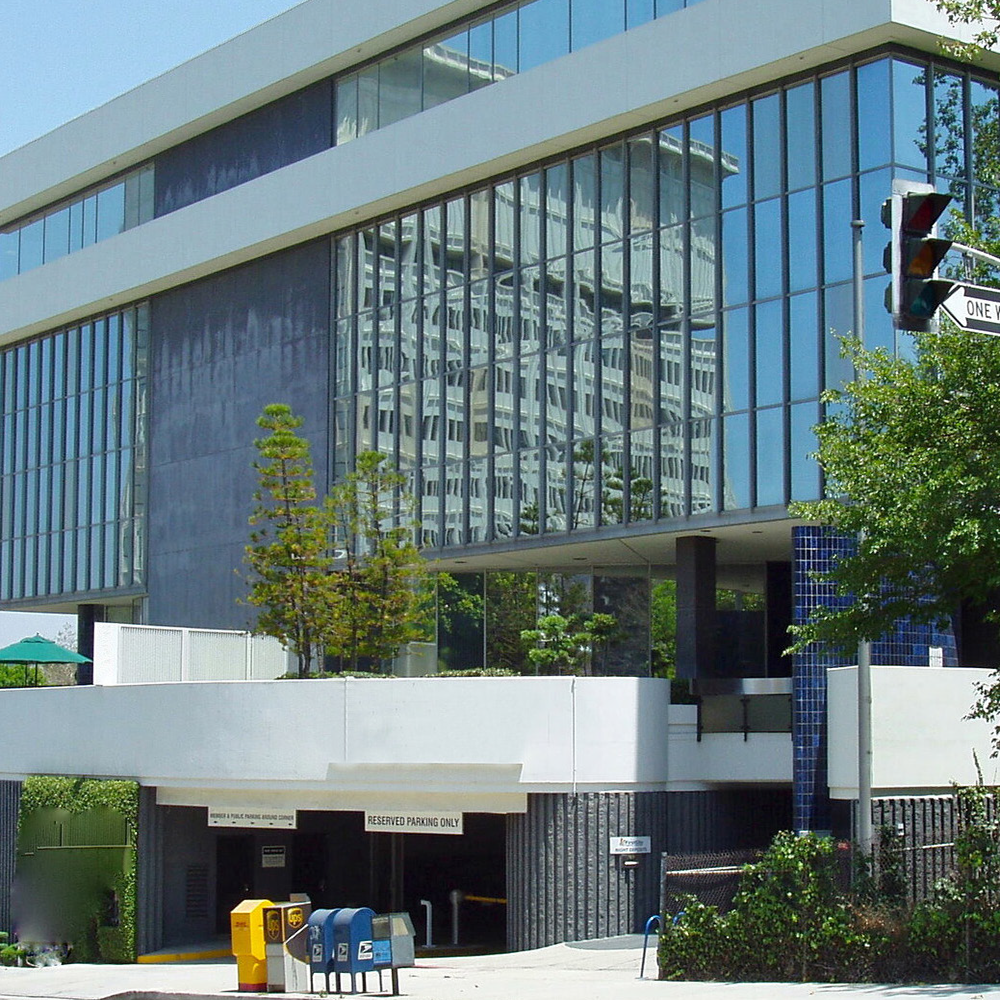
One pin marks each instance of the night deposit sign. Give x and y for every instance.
(413, 821)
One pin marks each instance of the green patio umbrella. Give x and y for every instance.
(37, 649)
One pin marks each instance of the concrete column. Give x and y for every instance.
(86, 616)
(695, 606)
(777, 617)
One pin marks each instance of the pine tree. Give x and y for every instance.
(288, 554)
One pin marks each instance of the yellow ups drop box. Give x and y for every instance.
(247, 924)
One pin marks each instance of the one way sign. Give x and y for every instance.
(975, 308)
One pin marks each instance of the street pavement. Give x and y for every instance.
(586, 970)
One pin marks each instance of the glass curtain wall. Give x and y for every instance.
(640, 331)
(89, 218)
(72, 439)
(511, 39)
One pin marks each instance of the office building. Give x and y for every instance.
(579, 267)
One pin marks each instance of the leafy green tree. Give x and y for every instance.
(663, 627)
(511, 610)
(21, 675)
(983, 14)
(380, 598)
(909, 453)
(288, 553)
(563, 644)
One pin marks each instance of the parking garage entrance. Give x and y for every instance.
(331, 857)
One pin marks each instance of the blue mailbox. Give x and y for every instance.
(320, 944)
(352, 938)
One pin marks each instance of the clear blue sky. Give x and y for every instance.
(64, 57)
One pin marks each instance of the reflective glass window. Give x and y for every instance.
(638, 12)
(503, 226)
(399, 84)
(110, 211)
(612, 280)
(733, 158)
(835, 101)
(556, 307)
(736, 455)
(479, 322)
(89, 220)
(505, 45)
(32, 242)
(802, 230)
(56, 234)
(8, 254)
(874, 188)
(584, 201)
(909, 111)
(769, 340)
(949, 124)
(736, 360)
(768, 248)
(346, 107)
(672, 485)
(446, 69)
(555, 488)
(594, 20)
(642, 175)
(705, 167)
(367, 100)
(531, 218)
(838, 321)
(804, 469)
(704, 367)
(874, 135)
(479, 233)
(480, 55)
(531, 310)
(544, 32)
(530, 513)
(734, 256)
(584, 295)
(800, 135)
(770, 456)
(838, 235)
(641, 281)
(670, 179)
(613, 484)
(672, 272)
(802, 346)
(767, 151)
(612, 192)
(879, 331)
(985, 120)
(583, 485)
(704, 463)
(642, 492)
(664, 7)
(614, 413)
(557, 209)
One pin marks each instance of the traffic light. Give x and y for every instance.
(913, 255)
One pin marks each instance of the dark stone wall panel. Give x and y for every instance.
(926, 827)
(563, 884)
(221, 349)
(149, 874)
(271, 137)
(10, 802)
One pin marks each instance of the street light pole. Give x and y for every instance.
(864, 814)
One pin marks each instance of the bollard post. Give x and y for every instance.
(456, 898)
(426, 903)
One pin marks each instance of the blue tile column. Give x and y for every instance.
(815, 550)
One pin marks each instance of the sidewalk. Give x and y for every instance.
(586, 970)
